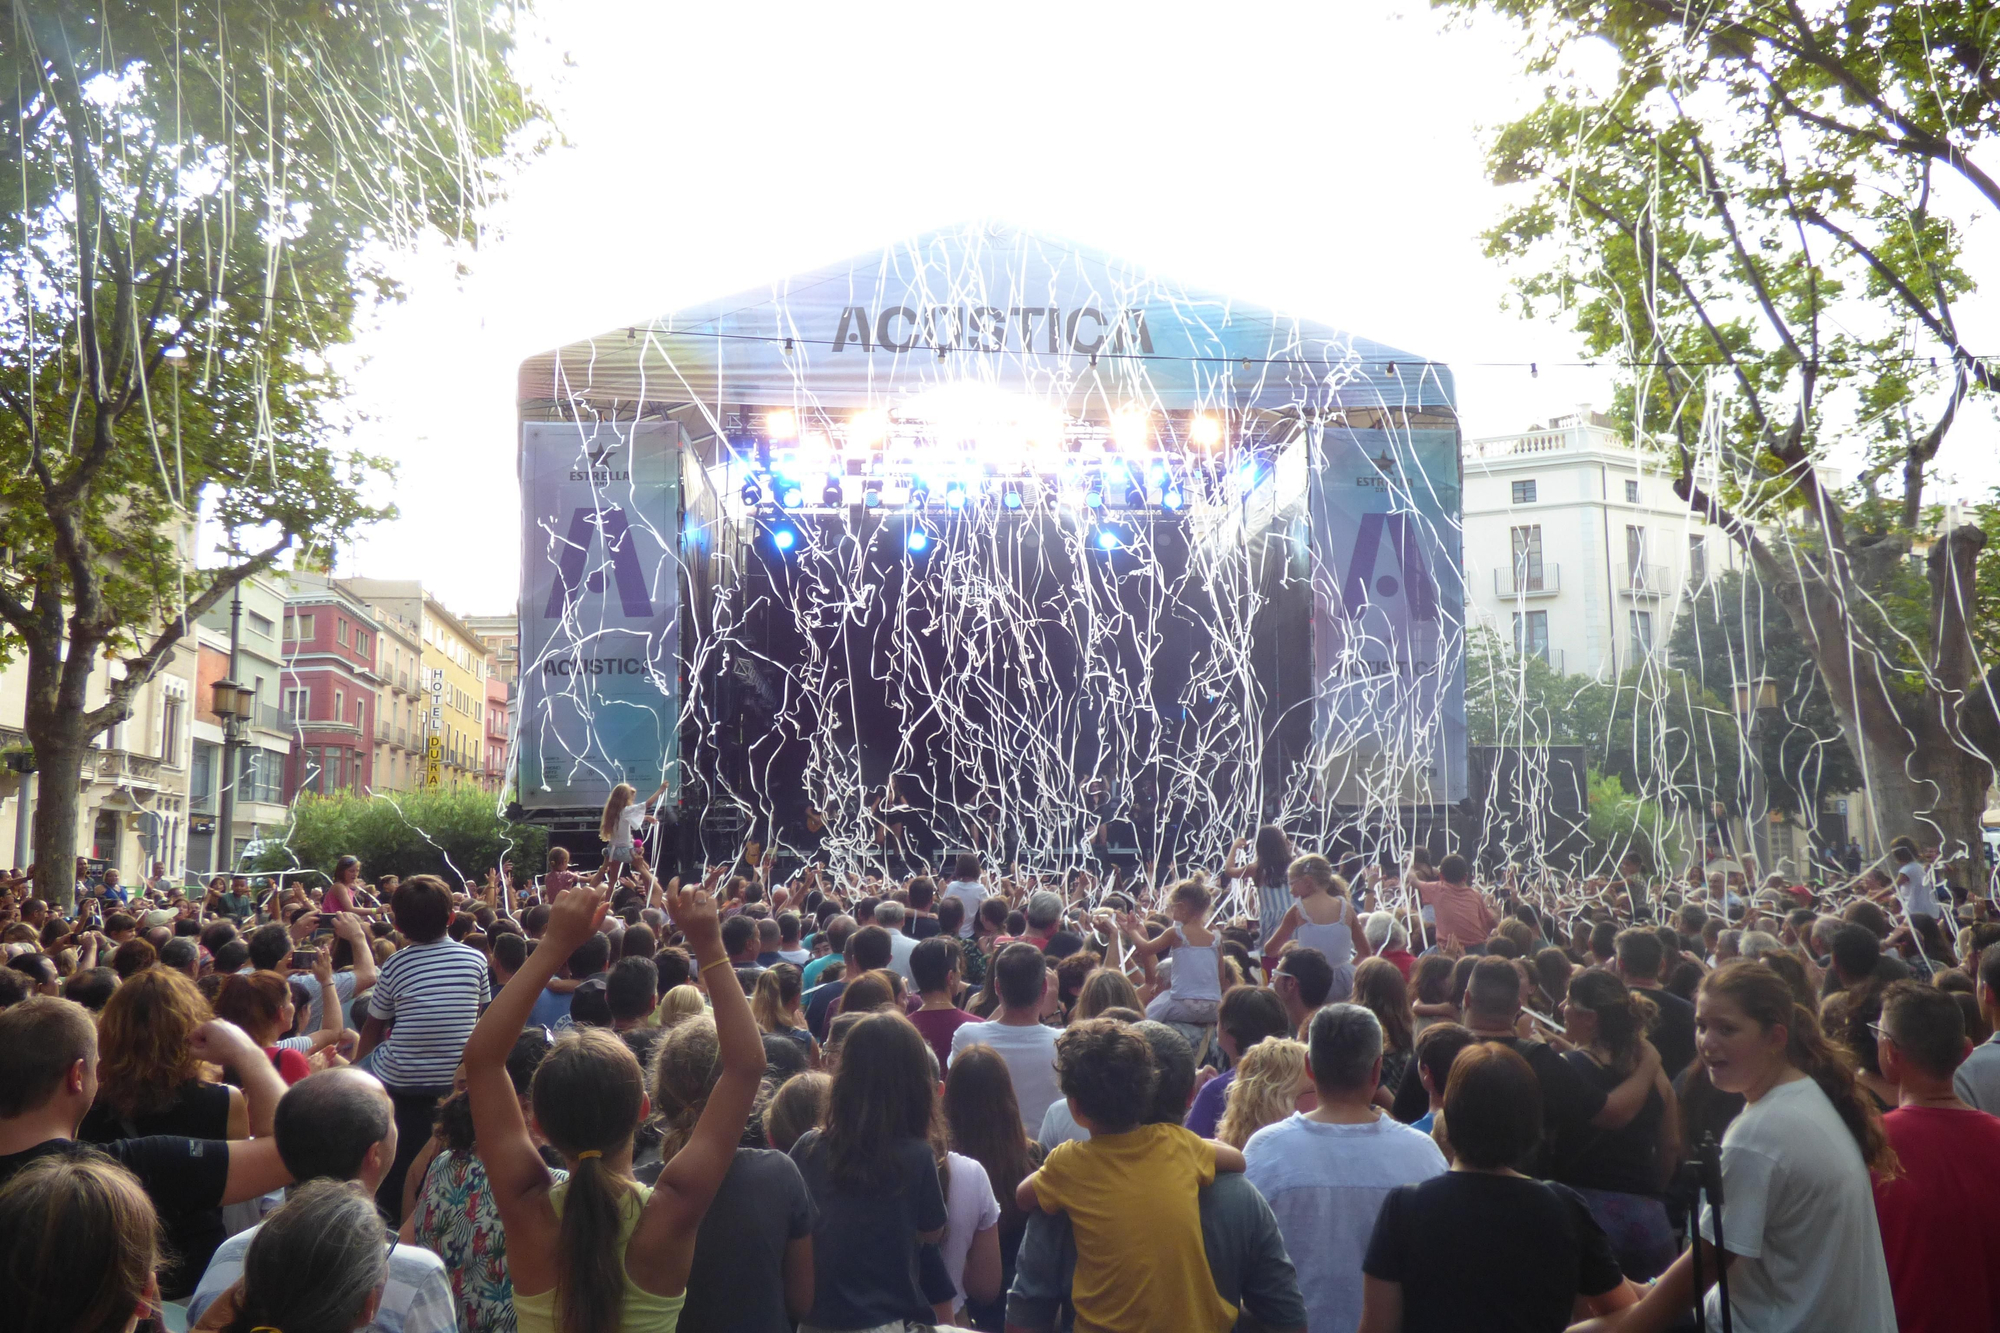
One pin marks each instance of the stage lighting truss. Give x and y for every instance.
(1134, 460)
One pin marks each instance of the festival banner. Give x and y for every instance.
(600, 611)
(1388, 614)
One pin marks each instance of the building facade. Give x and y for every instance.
(503, 635)
(498, 713)
(1577, 550)
(330, 688)
(267, 737)
(454, 666)
(399, 699)
(133, 808)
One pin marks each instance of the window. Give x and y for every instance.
(299, 703)
(1642, 634)
(1524, 492)
(291, 626)
(1527, 545)
(259, 624)
(340, 631)
(170, 733)
(1531, 633)
(302, 625)
(1631, 492)
(360, 643)
(1697, 560)
(201, 778)
(260, 776)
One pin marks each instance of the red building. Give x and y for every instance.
(499, 709)
(330, 687)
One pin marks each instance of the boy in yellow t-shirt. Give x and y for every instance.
(1131, 1191)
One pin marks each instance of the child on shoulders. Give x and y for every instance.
(1131, 1191)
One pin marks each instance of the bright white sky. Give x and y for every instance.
(1324, 159)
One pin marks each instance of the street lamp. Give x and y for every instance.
(234, 704)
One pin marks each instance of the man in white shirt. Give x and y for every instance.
(1326, 1172)
(340, 1125)
(1913, 881)
(889, 915)
(1020, 976)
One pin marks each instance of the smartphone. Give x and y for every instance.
(303, 959)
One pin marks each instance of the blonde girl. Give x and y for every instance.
(1199, 977)
(624, 817)
(1322, 918)
(1266, 1088)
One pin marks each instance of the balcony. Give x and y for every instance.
(1528, 581)
(275, 719)
(1648, 581)
(121, 768)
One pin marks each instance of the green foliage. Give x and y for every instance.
(1731, 634)
(201, 197)
(1620, 821)
(453, 832)
(1659, 731)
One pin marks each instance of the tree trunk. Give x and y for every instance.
(56, 726)
(1927, 777)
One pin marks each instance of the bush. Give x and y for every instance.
(457, 833)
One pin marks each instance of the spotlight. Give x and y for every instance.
(920, 492)
(869, 427)
(1107, 540)
(917, 542)
(784, 538)
(832, 496)
(792, 496)
(1206, 431)
(753, 493)
(1172, 499)
(1129, 428)
(1011, 497)
(1093, 494)
(782, 424)
(871, 493)
(1126, 490)
(954, 495)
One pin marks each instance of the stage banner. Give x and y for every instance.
(1388, 615)
(600, 611)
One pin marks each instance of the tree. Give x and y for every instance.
(1664, 734)
(201, 194)
(1752, 219)
(1735, 633)
(452, 832)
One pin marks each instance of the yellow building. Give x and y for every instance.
(451, 700)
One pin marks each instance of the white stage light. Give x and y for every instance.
(1206, 431)
(782, 424)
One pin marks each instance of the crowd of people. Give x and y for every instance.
(1301, 1094)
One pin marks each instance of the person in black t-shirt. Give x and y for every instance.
(1620, 1172)
(1641, 955)
(1571, 1107)
(48, 1080)
(1483, 1248)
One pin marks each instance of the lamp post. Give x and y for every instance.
(233, 704)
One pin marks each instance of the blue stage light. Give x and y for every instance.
(1107, 539)
(1093, 496)
(954, 495)
(920, 493)
(917, 542)
(753, 493)
(1173, 499)
(792, 496)
(1011, 497)
(784, 538)
(832, 495)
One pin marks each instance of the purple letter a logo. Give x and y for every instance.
(570, 581)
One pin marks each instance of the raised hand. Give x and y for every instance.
(694, 914)
(575, 916)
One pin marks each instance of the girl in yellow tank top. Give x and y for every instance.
(601, 1252)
